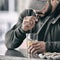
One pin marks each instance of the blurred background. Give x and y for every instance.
(10, 11)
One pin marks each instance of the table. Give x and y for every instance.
(18, 54)
(21, 54)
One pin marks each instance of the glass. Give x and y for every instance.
(31, 38)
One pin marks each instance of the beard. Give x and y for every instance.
(49, 10)
(57, 10)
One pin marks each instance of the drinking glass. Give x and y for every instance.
(31, 38)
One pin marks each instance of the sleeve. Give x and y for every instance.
(53, 46)
(15, 36)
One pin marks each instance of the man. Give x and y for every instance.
(30, 21)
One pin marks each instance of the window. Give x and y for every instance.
(4, 5)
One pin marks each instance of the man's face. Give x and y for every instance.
(54, 4)
(49, 7)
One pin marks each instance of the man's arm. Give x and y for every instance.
(16, 35)
(53, 46)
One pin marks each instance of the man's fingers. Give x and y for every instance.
(37, 47)
(33, 43)
(31, 18)
(28, 23)
(33, 47)
(35, 50)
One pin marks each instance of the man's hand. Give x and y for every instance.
(37, 47)
(28, 23)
